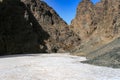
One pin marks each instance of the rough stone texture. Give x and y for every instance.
(19, 33)
(99, 29)
(107, 55)
(81, 23)
(62, 38)
(31, 26)
(97, 24)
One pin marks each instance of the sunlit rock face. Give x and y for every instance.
(99, 29)
(62, 38)
(91, 19)
(83, 19)
(97, 24)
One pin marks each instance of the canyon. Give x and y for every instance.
(32, 26)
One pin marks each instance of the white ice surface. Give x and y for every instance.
(52, 67)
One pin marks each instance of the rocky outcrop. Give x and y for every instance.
(31, 26)
(97, 24)
(99, 29)
(84, 17)
(20, 33)
(62, 38)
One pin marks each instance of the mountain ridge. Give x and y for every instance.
(48, 31)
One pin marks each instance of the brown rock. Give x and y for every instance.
(61, 36)
(99, 28)
(31, 26)
(84, 19)
(97, 24)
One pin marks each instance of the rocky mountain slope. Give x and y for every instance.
(61, 37)
(31, 26)
(107, 55)
(97, 24)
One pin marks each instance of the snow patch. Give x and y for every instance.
(53, 67)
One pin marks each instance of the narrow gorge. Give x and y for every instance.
(32, 26)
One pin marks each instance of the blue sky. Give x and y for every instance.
(65, 8)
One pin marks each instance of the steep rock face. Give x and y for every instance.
(97, 24)
(99, 29)
(31, 26)
(61, 37)
(19, 33)
(83, 20)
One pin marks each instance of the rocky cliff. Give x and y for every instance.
(97, 24)
(31, 26)
(62, 38)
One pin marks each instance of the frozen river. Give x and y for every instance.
(52, 67)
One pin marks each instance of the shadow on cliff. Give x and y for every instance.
(20, 32)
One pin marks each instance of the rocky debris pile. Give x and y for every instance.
(107, 55)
